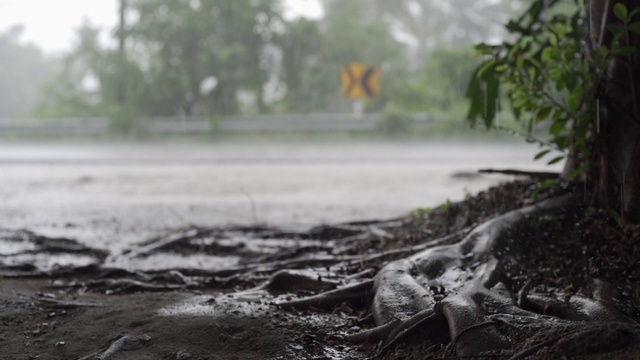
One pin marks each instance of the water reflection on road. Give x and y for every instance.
(109, 195)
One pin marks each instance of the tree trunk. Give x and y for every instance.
(616, 156)
(121, 51)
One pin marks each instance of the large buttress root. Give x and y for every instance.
(458, 291)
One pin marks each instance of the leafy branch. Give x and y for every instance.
(548, 75)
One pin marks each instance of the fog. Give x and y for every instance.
(167, 114)
(111, 195)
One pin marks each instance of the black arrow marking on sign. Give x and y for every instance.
(365, 81)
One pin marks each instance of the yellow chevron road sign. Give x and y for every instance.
(360, 81)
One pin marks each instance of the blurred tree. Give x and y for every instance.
(90, 83)
(218, 57)
(446, 76)
(199, 54)
(174, 57)
(439, 85)
(376, 32)
(301, 67)
(433, 24)
(24, 70)
(314, 53)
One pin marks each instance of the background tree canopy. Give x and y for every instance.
(217, 57)
(23, 72)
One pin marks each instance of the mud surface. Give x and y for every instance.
(213, 292)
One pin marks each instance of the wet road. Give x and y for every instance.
(109, 195)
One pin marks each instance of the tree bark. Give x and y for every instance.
(615, 163)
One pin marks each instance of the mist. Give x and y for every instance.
(218, 112)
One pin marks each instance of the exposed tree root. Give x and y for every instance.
(65, 305)
(359, 293)
(458, 291)
(121, 343)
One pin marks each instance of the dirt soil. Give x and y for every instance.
(213, 293)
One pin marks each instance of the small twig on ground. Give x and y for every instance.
(58, 304)
(360, 292)
(115, 347)
(164, 242)
(534, 174)
(252, 203)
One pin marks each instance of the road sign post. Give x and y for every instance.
(358, 107)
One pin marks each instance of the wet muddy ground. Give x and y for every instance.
(220, 296)
(102, 258)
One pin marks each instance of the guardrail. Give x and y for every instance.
(201, 125)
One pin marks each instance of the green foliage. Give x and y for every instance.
(544, 185)
(446, 206)
(187, 42)
(421, 213)
(302, 68)
(24, 70)
(91, 82)
(434, 25)
(315, 51)
(250, 50)
(437, 87)
(420, 217)
(609, 214)
(172, 48)
(69, 94)
(547, 77)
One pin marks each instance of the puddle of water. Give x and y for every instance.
(15, 247)
(47, 261)
(221, 305)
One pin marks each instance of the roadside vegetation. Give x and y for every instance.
(186, 58)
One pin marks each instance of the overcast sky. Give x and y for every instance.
(50, 23)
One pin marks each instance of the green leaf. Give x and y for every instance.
(501, 68)
(520, 102)
(574, 98)
(541, 154)
(484, 49)
(561, 83)
(547, 54)
(513, 50)
(548, 183)
(634, 28)
(625, 51)
(621, 12)
(492, 94)
(553, 40)
(543, 114)
(557, 127)
(489, 66)
(562, 141)
(477, 94)
(520, 62)
(555, 160)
